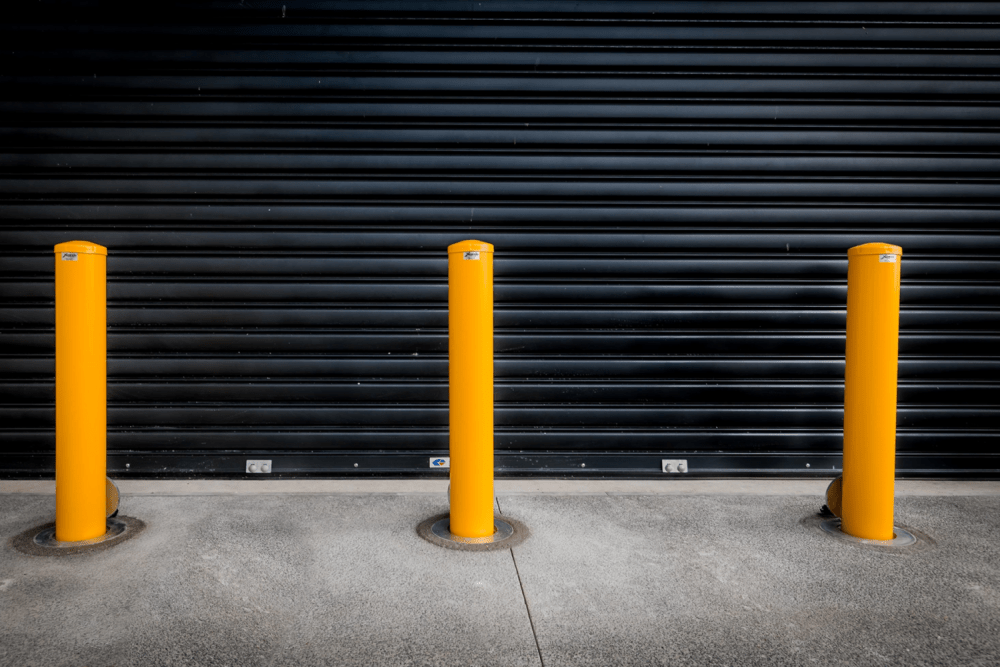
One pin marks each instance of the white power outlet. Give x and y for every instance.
(674, 465)
(258, 467)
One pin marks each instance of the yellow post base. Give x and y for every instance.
(470, 387)
(81, 390)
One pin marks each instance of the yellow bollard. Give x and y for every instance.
(470, 387)
(870, 390)
(81, 390)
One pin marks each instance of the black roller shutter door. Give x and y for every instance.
(671, 189)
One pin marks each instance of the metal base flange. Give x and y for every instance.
(509, 533)
(902, 538)
(41, 541)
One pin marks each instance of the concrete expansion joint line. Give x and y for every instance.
(527, 607)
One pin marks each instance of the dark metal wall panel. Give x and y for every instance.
(671, 188)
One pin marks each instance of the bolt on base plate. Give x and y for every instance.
(509, 533)
(41, 541)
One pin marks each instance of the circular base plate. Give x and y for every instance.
(503, 530)
(902, 538)
(41, 541)
(508, 533)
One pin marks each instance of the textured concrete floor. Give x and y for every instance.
(604, 579)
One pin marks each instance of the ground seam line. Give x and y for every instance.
(527, 607)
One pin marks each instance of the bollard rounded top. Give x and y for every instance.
(875, 249)
(470, 246)
(85, 247)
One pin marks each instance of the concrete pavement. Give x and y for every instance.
(609, 575)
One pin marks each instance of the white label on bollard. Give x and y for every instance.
(474, 254)
(887, 258)
(69, 256)
(440, 461)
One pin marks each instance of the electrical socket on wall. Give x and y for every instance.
(258, 467)
(674, 465)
